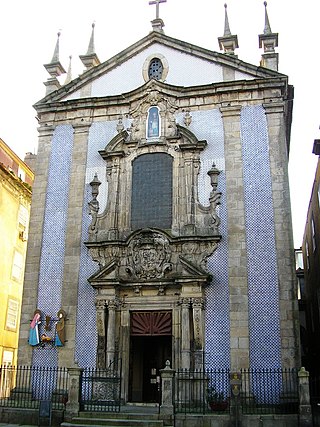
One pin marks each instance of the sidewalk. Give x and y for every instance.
(15, 425)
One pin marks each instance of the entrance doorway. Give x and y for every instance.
(147, 356)
(150, 348)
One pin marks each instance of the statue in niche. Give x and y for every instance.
(34, 328)
(94, 204)
(59, 339)
(153, 123)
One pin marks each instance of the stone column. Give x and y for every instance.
(185, 333)
(167, 375)
(237, 246)
(197, 307)
(101, 329)
(305, 413)
(124, 351)
(74, 393)
(110, 353)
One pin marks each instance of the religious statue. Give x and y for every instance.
(59, 339)
(153, 122)
(34, 328)
(94, 204)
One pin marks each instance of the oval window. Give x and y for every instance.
(155, 69)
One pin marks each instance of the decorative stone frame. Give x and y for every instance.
(146, 64)
(171, 274)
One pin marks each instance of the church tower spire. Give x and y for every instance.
(228, 42)
(90, 59)
(55, 69)
(268, 40)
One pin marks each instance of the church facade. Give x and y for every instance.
(160, 223)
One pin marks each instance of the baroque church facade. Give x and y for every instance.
(160, 223)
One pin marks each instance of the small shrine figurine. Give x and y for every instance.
(34, 328)
(59, 339)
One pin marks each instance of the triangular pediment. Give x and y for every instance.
(111, 275)
(189, 269)
(106, 275)
(123, 73)
(150, 256)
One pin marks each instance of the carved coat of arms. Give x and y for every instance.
(149, 255)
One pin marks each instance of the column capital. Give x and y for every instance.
(100, 304)
(46, 129)
(273, 107)
(113, 304)
(197, 302)
(81, 127)
(229, 110)
(184, 302)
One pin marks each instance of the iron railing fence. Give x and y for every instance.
(26, 386)
(202, 391)
(100, 389)
(270, 391)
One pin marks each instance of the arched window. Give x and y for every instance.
(153, 123)
(155, 69)
(151, 204)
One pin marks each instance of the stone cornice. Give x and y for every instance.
(14, 184)
(216, 92)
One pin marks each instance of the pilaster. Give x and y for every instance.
(289, 318)
(69, 296)
(185, 333)
(31, 277)
(237, 247)
(110, 350)
(198, 333)
(101, 330)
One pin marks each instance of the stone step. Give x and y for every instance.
(113, 422)
(112, 415)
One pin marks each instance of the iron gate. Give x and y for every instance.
(100, 389)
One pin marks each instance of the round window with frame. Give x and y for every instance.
(155, 69)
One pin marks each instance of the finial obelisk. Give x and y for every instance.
(268, 41)
(228, 42)
(90, 59)
(55, 69)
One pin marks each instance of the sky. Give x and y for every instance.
(28, 34)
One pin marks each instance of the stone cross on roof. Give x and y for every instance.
(157, 2)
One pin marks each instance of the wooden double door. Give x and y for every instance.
(150, 348)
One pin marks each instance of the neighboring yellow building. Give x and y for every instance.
(15, 201)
